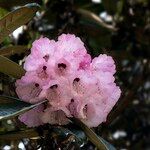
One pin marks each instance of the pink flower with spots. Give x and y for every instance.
(32, 118)
(75, 85)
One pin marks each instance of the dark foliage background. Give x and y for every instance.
(120, 28)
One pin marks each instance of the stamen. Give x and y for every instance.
(46, 57)
(54, 86)
(72, 100)
(85, 110)
(44, 67)
(76, 80)
(62, 65)
(36, 85)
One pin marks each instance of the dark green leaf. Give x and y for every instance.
(3, 12)
(11, 3)
(11, 50)
(110, 6)
(17, 135)
(82, 139)
(94, 19)
(100, 143)
(78, 136)
(16, 18)
(82, 3)
(11, 107)
(120, 6)
(108, 145)
(10, 68)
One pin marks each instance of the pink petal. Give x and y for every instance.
(32, 118)
(70, 43)
(103, 63)
(54, 116)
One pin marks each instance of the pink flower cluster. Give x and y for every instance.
(75, 85)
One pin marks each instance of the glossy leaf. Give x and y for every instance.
(11, 68)
(100, 143)
(77, 136)
(11, 107)
(108, 145)
(82, 139)
(11, 50)
(16, 18)
(94, 19)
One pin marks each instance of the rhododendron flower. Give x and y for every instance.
(74, 85)
(33, 117)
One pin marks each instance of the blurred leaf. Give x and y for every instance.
(94, 19)
(17, 135)
(109, 146)
(80, 135)
(7, 41)
(77, 136)
(17, 18)
(11, 107)
(7, 4)
(100, 143)
(11, 68)
(94, 7)
(99, 39)
(11, 50)
(100, 44)
(83, 2)
(120, 6)
(7, 125)
(110, 6)
(3, 12)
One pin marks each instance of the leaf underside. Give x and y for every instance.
(16, 18)
(11, 68)
(11, 50)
